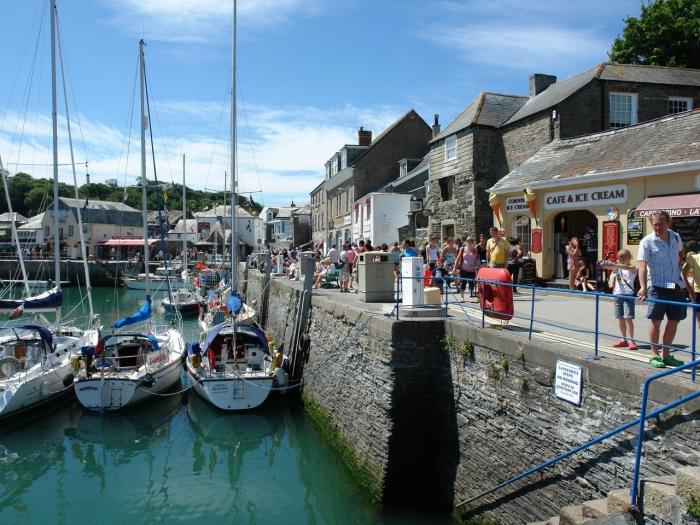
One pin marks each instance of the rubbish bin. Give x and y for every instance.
(375, 273)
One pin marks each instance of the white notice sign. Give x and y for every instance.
(568, 382)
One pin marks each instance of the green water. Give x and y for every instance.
(176, 460)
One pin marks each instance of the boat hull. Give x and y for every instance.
(111, 394)
(157, 285)
(230, 393)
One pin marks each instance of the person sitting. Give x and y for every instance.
(326, 267)
(582, 277)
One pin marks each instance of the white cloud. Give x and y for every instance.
(281, 150)
(201, 21)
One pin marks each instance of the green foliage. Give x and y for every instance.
(694, 507)
(505, 365)
(667, 33)
(448, 343)
(467, 350)
(31, 196)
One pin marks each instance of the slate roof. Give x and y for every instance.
(12, 217)
(560, 91)
(33, 223)
(191, 225)
(661, 142)
(487, 109)
(102, 212)
(223, 211)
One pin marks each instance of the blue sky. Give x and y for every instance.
(310, 73)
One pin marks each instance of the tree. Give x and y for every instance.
(667, 33)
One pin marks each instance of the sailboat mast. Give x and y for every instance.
(54, 123)
(234, 198)
(144, 197)
(15, 237)
(184, 217)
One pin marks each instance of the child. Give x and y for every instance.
(582, 277)
(691, 277)
(622, 285)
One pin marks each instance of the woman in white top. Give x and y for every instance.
(622, 283)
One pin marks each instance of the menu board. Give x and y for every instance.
(635, 228)
(611, 240)
(688, 228)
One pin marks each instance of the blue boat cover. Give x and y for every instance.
(252, 330)
(46, 300)
(234, 303)
(144, 314)
(44, 333)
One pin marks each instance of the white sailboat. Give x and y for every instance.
(130, 366)
(183, 299)
(234, 367)
(35, 356)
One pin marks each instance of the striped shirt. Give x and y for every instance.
(662, 258)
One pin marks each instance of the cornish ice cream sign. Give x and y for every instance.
(585, 198)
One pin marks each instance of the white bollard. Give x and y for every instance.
(412, 281)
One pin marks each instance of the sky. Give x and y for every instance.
(310, 73)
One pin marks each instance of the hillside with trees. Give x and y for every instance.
(31, 196)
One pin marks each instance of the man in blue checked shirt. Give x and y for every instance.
(660, 254)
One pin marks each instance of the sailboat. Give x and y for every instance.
(130, 366)
(35, 356)
(183, 299)
(234, 366)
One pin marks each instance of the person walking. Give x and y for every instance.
(345, 267)
(481, 248)
(659, 258)
(496, 250)
(467, 265)
(333, 254)
(573, 252)
(432, 254)
(692, 266)
(622, 285)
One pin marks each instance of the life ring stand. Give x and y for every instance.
(7, 360)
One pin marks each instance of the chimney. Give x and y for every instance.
(436, 126)
(364, 137)
(539, 82)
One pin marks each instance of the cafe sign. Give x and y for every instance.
(516, 204)
(583, 198)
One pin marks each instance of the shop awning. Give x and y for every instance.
(126, 242)
(686, 205)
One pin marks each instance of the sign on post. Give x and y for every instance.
(568, 382)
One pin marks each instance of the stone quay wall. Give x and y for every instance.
(437, 411)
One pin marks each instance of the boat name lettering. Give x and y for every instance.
(220, 388)
(156, 358)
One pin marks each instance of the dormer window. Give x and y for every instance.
(343, 159)
(679, 104)
(403, 168)
(451, 147)
(623, 109)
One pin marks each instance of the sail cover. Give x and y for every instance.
(144, 314)
(44, 333)
(48, 300)
(240, 328)
(234, 303)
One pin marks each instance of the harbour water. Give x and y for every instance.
(176, 460)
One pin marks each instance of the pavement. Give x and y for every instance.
(560, 318)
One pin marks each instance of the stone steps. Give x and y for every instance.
(662, 497)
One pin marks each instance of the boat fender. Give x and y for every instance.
(75, 363)
(148, 381)
(196, 360)
(9, 365)
(68, 380)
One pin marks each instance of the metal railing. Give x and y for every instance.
(532, 319)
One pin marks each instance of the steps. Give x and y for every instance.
(662, 497)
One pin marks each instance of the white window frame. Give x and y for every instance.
(522, 232)
(633, 108)
(688, 101)
(451, 147)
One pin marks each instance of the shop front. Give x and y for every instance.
(604, 215)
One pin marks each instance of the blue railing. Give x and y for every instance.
(532, 319)
(644, 416)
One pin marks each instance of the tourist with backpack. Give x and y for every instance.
(624, 285)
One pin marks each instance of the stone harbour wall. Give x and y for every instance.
(437, 411)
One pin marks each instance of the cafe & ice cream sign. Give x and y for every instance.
(586, 197)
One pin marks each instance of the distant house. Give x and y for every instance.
(102, 221)
(31, 233)
(169, 219)
(6, 220)
(284, 226)
(184, 228)
(245, 222)
(357, 170)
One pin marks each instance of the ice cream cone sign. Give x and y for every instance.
(495, 203)
(531, 200)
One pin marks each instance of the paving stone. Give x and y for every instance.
(688, 483)
(618, 500)
(596, 508)
(659, 499)
(571, 515)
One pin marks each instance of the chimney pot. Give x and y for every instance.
(539, 82)
(364, 137)
(436, 126)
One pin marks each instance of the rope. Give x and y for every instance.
(169, 394)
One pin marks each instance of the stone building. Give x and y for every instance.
(284, 226)
(358, 170)
(497, 133)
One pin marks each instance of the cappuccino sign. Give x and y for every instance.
(583, 198)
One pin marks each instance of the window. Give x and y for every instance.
(623, 109)
(47, 231)
(368, 210)
(679, 104)
(451, 147)
(85, 228)
(70, 230)
(521, 230)
(446, 188)
(403, 168)
(343, 159)
(357, 214)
